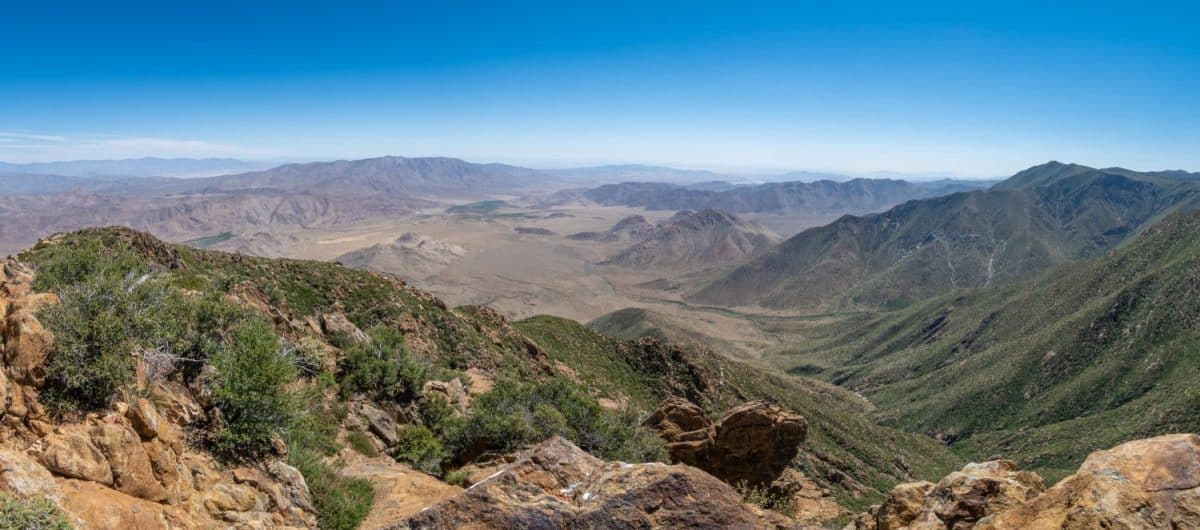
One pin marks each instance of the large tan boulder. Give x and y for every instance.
(73, 455)
(902, 506)
(753, 443)
(26, 344)
(1150, 483)
(557, 485)
(144, 418)
(131, 469)
(957, 502)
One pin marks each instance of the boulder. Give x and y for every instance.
(1150, 483)
(337, 324)
(73, 455)
(131, 469)
(675, 417)
(380, 423)
(26, 344)
(453, 391)
(557, 485)
(753, 443)
(957, 502)
(902, 506)
(144, 418)
(23, 476)
(292, 486)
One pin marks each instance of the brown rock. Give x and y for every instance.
(957, 502)
(675, 417)
(753, 443)
(73, 455)
(101, 508)
(1187, 509)
(557, 485)
(168, 470)
(293, 486)
(380, 423)
(902, 506)
(1148, 483)
(22, 475)
(400, 491)
(144, 418)
(337, 323)
(25, 347)
(226, 497)
(453, 391)
(131, 469)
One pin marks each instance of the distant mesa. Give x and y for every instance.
(534, 231)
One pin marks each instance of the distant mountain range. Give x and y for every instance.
(818, 198)
(135, 167)
(1041, 217)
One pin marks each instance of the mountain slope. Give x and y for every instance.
(818, 198)
(705, 238)
(1041, 217)
(1087, 356)
(845, 452)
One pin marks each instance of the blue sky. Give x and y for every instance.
(969, 88)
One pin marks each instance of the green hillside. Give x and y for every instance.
(1086, 356)
(1042, 217)
(856, 458)
(319, 335)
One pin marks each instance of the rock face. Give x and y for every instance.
(1151, 483)
(1143, 484)
(754, 442)
(557, 485)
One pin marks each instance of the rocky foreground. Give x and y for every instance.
(1144, 484)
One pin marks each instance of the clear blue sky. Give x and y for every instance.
(960, 87)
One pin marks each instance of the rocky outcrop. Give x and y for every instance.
(1152, 483)
(753, 443)
(128, 466)
(400, 490)
(558, 485)
(1143, 484)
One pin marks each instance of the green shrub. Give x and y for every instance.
(434, 411)
(766, 499)
(419, 447)
(381, 368)
(67, 264)
(249, 389)
(458, 477)
(97, 325)
(516, 414)
(342, 502)
(361, 443)
(30, 514)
